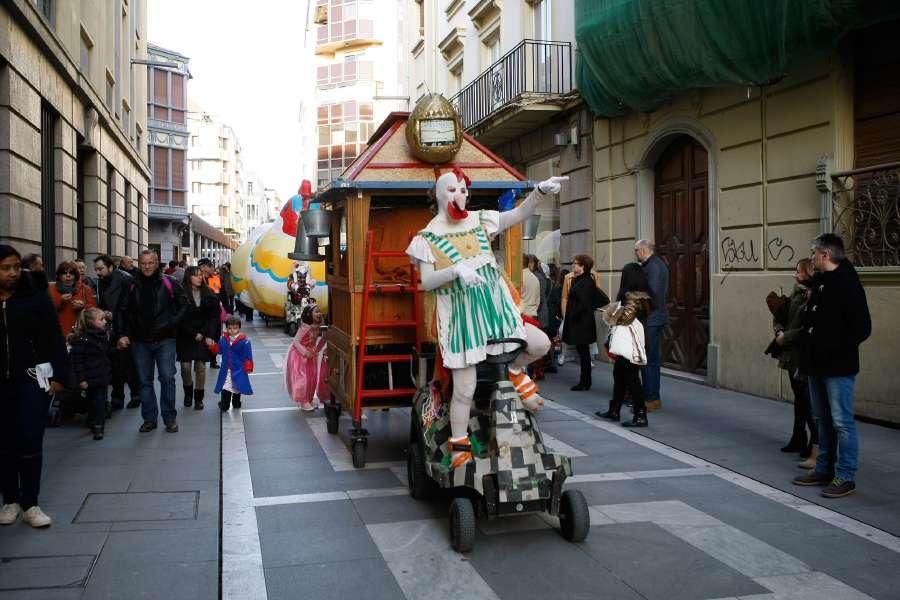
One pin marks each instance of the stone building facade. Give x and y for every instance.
(733, 183)
(73, 170)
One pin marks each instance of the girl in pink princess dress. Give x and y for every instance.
(306, 367)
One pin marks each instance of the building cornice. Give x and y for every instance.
(485, 12)
(25, 13)
(453, 7)
(453, 42)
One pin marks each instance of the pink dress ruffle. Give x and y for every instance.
(303, 373)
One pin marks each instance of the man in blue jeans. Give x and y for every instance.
(658, 277)
(836, 321)
(148, 322)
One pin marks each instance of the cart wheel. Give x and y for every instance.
(359, 453)
(462, 525)
(574, 517)
(332, 414)
(421, 486)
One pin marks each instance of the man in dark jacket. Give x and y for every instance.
(112, 287)
(836, 322)
(29, 336)
(658, 276)
(147, 322)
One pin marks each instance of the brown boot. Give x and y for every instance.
(810, 463)
(653, 405)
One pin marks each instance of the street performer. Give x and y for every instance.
(473, 301)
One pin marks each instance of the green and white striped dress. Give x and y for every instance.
(469, 316)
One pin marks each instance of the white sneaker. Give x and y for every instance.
(9, 513)
(561, 360)
(35, 517)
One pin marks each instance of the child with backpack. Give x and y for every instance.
(89, 355)
(237, 364)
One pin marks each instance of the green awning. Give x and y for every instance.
(637, 54)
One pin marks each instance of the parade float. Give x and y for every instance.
(386, 334)
(262, 270)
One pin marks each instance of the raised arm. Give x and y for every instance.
(527, 207)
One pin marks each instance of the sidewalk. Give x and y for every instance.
(744, 433)
(135, 515)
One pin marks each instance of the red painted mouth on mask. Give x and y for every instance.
(456, 212)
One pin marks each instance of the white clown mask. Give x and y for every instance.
(452, 194)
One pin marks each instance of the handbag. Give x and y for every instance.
(627, 341)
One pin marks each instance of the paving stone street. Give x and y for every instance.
(263, 503)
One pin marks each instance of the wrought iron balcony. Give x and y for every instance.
(534, 71)
(865, 212)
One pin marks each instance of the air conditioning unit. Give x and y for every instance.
(321, 17)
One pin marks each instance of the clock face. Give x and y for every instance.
(437, 132)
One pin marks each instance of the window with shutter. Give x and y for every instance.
(877, 96)
(177, 99)
(160, 167)
(160, 87)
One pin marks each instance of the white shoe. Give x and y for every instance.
(35, 517)
(9, 513)
(561, 360)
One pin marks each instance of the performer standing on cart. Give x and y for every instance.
(474, 304)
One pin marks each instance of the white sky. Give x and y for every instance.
(246, 64)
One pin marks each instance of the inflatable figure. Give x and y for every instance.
(474, 304)
(261, 267)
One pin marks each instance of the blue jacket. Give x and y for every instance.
(658, 278)
(237, 358)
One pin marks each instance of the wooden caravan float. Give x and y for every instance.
(378, 318)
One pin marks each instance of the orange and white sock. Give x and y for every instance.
(527, 390)
(460, 451)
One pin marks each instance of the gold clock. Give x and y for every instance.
(433, 131)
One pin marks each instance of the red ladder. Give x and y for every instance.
(370, 288)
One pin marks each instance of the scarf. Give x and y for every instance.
(64, 289)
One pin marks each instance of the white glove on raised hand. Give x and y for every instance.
(468, 275)
(552, 185)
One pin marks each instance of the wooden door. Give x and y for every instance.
(682, 241)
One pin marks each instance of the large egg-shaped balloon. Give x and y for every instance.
(261, 267)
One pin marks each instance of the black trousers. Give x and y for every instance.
(23, 417)
(123, 371)
(584, 359)
(803, 417)
(626, 378)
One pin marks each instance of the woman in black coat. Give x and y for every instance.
(200, 322)
(579, 326)
(29, 335)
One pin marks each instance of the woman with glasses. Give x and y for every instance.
(69, 296)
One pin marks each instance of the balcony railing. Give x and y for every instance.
(533, 68)
(866, 214)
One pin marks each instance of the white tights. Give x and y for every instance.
(537, 345)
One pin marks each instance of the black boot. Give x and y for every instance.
(797, 443)
(198, 399)
(236, 400)
(97, 430)
(225, 401)
(188, 395)
(612, 412)
(639, 419)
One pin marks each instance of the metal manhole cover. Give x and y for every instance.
(45, 572)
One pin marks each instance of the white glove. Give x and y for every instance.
(468, 275)
(552, 185)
